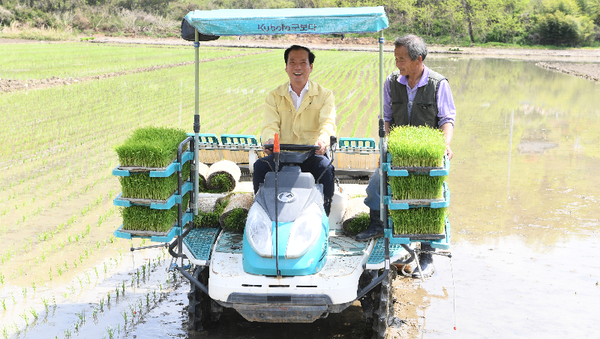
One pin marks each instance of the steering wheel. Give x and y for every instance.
(293, 147)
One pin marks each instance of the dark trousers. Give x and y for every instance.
(316, 164)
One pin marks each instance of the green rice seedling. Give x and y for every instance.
(33, 286)
(358, 224)
(151, 147)
(81, 316)
(110, 332)
(33, 313)
(25, 317)
(416, 146)
(417, 187)
(46, 304)
(419, 220)
(144, 218)
(3, 304)
(210, 219)
(235, 220)
(142, 186)
(125, 317)
(222, 181)
(24, 292)
(1, 279)
(5, 332)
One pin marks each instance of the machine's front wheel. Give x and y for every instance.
(378, 306)
(201, 311)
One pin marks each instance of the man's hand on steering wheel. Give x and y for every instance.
(269, 142)
(322, 149)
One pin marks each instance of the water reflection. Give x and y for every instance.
(526, 151)
(524, 214)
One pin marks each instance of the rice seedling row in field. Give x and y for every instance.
(36, 61)
(140, 302)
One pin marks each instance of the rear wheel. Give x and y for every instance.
(378, 306)
(202, 311)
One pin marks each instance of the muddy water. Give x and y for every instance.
(524, 184)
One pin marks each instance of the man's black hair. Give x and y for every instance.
(311, 55)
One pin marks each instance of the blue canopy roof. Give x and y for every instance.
(224, 22)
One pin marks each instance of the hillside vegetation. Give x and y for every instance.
(461, 22)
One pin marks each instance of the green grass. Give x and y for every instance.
(416, 146)
(358, 224)
(419, 220)
(142, 218)
(235, 220)
(417, 187)
(151, 147)
(210, 219)
(142, 186)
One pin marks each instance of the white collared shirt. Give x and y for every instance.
(297, 100)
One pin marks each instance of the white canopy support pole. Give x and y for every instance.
(382, 182)
(196, 126)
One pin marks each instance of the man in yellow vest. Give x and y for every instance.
(302, 112)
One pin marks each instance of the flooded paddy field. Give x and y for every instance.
(524, 215)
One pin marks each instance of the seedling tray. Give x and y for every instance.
(400, 171)
(155, 204)
(153, 235)
(155, 172)
(441, 241)
(414, 203)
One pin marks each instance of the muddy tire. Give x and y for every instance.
(202, 313)
(378, 306)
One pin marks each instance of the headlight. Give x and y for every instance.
(258, 231)
(305, 232)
